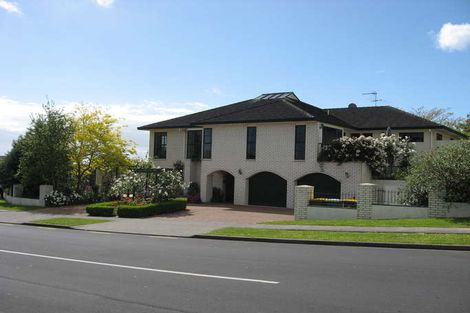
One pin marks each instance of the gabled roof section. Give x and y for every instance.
(274, 107)
(381, 117)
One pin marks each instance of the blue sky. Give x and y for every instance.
(150, 60)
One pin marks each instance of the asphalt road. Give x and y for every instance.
(55, 270)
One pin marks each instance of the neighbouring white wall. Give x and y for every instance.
(430, 142)
(43, 191)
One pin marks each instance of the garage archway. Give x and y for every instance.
(325, 185)
(267, 189)
(220, 187)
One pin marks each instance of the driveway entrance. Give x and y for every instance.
(231, 214)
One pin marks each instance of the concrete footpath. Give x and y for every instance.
(164, 226)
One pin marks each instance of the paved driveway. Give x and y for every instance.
(233, 214)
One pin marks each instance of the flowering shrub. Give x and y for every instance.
(193, 193)
(129, 184)
(160, 185)
(380, 154)
(57, 198)
(168, 184)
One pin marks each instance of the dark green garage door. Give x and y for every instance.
(325, 186)
(268, 189)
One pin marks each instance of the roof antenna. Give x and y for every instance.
(375, 100)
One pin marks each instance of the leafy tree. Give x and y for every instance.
(10, 164)
(45, 150)
(97, 145)
(444, 169)
(441, 116)
(466, 126)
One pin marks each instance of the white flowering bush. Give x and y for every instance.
(56, 198)
(158, 185)
(381, 154)
(168, 184)
(130, 185)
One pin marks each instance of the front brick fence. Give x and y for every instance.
(369, 208)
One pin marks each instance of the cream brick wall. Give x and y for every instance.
(274, 153)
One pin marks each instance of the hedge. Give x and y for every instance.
(151, 209)
(134, 211)
(102, 209)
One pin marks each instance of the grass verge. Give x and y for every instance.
(415, 238)
(405, 222)
(69, 221)
(4, 205)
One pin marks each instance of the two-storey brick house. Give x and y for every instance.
(257, 150)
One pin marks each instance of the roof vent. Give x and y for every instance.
(352, 106)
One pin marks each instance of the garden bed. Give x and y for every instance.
(131, 210)
(336, 203)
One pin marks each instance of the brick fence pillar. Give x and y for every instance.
(437, 207)
(302, 197)
(365, 199)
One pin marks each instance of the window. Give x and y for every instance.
(207, 144)
(299, 152)
(329, 134)
(413, 137)
(251, 143)
(193, 145)
(355, 135)
(159, 148)
(438, 136)
(367, 135)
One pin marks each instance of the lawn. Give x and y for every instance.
(408, 222)
(69, 221)
(416, 238)
(4, 205)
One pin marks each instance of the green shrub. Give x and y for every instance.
(146, 210)
(102, 209)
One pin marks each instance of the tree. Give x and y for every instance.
(10, 164)
(45, 150)
(441, 116)
(466, 127)
(444, 169)
(97, 145)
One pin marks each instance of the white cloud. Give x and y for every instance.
(454, 37)
(15, 117)
(11, 7)
(105, 3)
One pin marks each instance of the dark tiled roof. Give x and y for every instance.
(285, 106)
(381, 117)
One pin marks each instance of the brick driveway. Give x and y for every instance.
(227, 213)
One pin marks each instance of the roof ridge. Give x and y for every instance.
(296, 107)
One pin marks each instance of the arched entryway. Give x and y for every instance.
(267, 189)
(220, 187)
(325, 185)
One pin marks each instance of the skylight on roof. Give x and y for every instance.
(277, 95)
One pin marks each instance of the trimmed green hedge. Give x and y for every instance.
(151, 209)
(134, 211)
(102, 209)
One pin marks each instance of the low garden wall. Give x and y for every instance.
(330, 213)
(16, 199)
(368, 208)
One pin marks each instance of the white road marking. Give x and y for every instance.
(140, 268)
